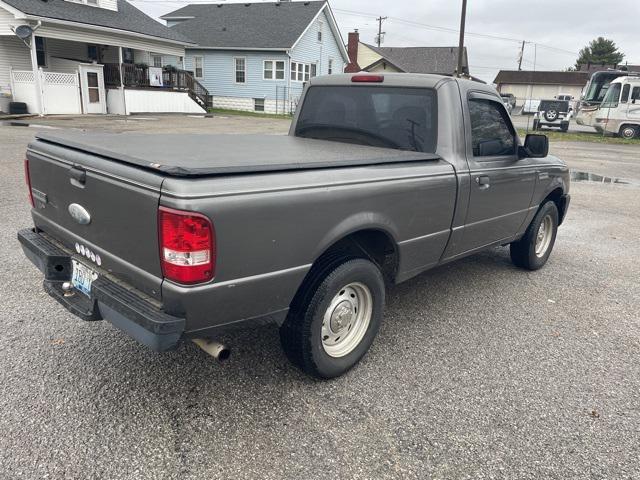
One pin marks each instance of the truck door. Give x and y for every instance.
(502, 185)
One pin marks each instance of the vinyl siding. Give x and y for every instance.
(107, 4)
(366, 56)
(6, 20)
(309, 50)
(219, 73)
(13, 54)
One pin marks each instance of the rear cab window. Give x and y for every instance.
(393, 117)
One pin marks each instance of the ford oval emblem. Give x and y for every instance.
(79, 214)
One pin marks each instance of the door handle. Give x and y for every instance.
(483, 182)
(77, 176)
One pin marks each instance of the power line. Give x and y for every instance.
(453, 30)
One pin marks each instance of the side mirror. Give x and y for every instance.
(535, 146)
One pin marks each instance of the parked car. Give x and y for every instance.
(509, 98)
(552, 114)
(619, 112)
(507, 105)
(530, 106)
(175, 237)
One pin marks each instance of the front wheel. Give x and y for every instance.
(629, 131)
(335, 320)
(533, 249)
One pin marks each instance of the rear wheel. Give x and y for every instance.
(628, 131)
(536, 125)
(335, 319)
(533, 249)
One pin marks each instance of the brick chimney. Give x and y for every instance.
(352, 50)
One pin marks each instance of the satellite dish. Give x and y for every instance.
(23, 32)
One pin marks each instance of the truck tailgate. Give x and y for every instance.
(120, 200)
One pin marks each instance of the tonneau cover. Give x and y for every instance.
(185, 155)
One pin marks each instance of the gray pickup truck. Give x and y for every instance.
(174, 237)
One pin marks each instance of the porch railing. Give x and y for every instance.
(174, 79)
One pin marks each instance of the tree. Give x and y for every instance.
(600, 51)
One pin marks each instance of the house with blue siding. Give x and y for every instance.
(258, 56)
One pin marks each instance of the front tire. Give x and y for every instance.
(533, 249)
(629, 131)
(335, 319)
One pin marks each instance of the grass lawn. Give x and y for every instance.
(557, 136)
(554, 135)
(223, 111)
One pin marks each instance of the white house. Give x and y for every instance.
(92, 56)
(258, 56)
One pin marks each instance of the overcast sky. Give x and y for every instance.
(559, 27)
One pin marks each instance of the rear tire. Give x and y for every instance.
(533, 249)
(335, 318)
(536, 125)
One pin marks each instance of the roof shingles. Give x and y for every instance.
(127, 17)
(252, 25)
(439, 60)
(540, 77)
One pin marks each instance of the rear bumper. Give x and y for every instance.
(123, 306)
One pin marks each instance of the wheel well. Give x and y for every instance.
(557, 197)
(375, 245)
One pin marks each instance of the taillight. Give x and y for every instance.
(187, 246)
(27, 179)
(367, 78)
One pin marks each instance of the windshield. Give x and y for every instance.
(400, 118)
(598, 86)
(612, 96)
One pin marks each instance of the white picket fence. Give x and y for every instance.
(60, 91)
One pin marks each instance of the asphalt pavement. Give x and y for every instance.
(480, 370)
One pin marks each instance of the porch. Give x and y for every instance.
(71, 77)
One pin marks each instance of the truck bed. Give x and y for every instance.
(187, 155)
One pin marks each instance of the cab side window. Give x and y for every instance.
(635, 95)
(491, 132)
(625, 93)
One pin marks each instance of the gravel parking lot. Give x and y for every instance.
(480, 370)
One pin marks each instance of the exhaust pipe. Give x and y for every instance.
(217, 350)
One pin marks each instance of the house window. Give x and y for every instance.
(156, 60)
(258, 104)
(330, 67)
(320, 26)
(273, 70)
(314, 70)
(93, 53)
(301, 72)
(197, 67)
(41, 51)
(241, 69)
(127, 55)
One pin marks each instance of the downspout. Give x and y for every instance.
(124, 95)
(288, 95)
(36, 73)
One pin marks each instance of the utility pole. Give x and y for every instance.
(521, 55)
(463, 18)
(380, 32)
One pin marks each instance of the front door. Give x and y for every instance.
(502, 184)
(93, 91)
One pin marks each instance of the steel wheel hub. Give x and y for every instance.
(346, 319)
(544, 235)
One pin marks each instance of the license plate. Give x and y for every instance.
(82, 277)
